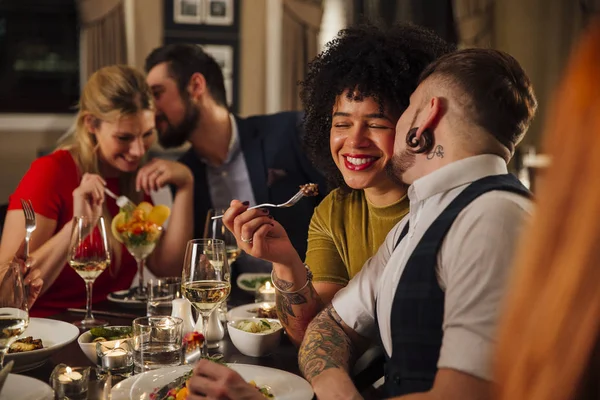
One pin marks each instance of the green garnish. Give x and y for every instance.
(265, 323)
(111, 333)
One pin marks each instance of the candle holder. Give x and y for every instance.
(265, 293)
(115, 358)
(70, 383)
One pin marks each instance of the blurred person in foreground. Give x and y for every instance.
(431, 292)
(549, 343)
(353, 95)
(115, 128)
(258, 159)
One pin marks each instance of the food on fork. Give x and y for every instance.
(140, 226)
(310, 189)
(26, 344)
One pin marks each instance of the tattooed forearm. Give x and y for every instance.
(296, 310)
(281, 283)
(325, 345)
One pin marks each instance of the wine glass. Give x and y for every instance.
(206, 278)
(215, 229)
(140, 242)
(14, 314)
(89, 255)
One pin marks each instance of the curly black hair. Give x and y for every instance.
(383, 65)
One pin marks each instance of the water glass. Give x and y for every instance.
(157, 343)
(161, 293)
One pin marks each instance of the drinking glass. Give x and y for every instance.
(215, 229)
(89, 256)
(14, 314)
(161, 293)
(206, 278)
(157, 343)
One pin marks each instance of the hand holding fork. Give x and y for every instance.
(32, 280)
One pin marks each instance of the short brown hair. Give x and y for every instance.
(501, 96)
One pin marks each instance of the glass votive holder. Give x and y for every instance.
(265, 293)
(70, 383)
(157, 343)
(115, 358)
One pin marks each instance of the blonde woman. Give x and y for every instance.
(549, 344)
(114, 130)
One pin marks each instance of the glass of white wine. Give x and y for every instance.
(89, 256)
(14, 314)
(215, 229)
(206, 278)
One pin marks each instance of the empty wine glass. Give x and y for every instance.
(14, 314)
(89, 255)
(206, 278)
(215, 229)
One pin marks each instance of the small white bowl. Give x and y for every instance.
(89, 348)
(254, 344)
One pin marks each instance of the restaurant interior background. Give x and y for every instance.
(47, 47)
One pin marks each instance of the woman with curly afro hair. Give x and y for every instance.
(353, 95)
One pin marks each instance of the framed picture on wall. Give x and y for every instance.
(223, 55)
(218, 12)
(188, 11)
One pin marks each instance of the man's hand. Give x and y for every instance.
(218, 382)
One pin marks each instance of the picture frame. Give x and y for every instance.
(224, 56)
(189, 11)
(218, 12)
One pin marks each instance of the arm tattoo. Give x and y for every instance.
(285, 285)
(325, 345)
(296, 310)
(437, 152)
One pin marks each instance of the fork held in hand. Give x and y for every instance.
(30, 224)
(295, 198)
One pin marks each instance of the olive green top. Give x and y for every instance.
(345, 231)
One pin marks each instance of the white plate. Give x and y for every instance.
(250, 276)
(25, 388)
(121, 390)
(129, 303)
(284, 385)
(54, 334)
(244, 311)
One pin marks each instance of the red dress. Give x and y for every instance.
(49, 184)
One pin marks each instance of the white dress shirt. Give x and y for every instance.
(472, 264)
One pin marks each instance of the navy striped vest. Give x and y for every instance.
(418, 307)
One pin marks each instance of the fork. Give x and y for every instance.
(122, 201)
(30, 224)
(295, 198)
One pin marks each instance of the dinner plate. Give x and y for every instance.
(121, 390)
(245, 311)
(120, 297)
(25, 388)
(245, 279)
(54, 334)
(283, 385)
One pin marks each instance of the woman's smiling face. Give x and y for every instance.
(362, 141)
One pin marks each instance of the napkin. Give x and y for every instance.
(4, 373)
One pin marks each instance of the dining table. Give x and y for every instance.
(285, 357)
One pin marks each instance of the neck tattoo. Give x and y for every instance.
(437, 152)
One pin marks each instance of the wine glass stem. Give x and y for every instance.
(88, 307)
(204, 333)
(140, 266)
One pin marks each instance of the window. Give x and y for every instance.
(39, 56)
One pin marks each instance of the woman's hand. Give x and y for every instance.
(158, 173)
(32, 278)
(258, 234)
(218, 382)
(89, 196)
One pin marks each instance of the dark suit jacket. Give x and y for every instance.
(277, 166)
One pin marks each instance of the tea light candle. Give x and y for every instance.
(69, 376)
(115, 358)
(265, 293)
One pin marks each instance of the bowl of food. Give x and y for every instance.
(109, 335)
(255, 337)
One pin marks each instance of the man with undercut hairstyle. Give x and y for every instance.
(431, 293)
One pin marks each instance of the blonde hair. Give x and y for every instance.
(110, 93)
(552, 321)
